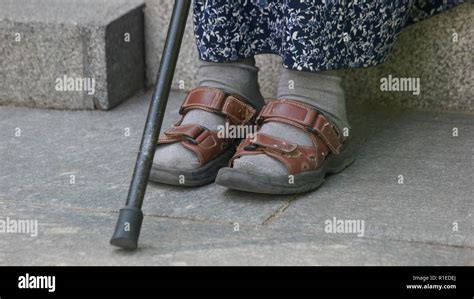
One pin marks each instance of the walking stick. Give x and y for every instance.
(130, 217)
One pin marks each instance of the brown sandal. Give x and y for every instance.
(212, 151)
(307, 165)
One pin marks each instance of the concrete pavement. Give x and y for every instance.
(411, 185)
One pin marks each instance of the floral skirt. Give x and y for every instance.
(309, 35)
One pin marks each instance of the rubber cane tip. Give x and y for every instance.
(128, 228)
(124, 243)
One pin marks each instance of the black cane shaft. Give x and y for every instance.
(130, 218)
(158, 104)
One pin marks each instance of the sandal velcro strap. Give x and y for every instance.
(191, 132)
(302, 116)
(273, 144)
(206, 143)
(203, 142)
(219, 102)
(295, 157)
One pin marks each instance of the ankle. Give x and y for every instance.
(234, 77)
(321, 90)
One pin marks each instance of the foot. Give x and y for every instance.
(191, 152)
(293, 150)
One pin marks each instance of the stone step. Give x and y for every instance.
(77, 54)
(438, 51)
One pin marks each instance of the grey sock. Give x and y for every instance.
(236, 77)
(320, 90)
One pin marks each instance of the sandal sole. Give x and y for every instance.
(303, 182)
(191, 178)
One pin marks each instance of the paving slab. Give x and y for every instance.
(425, 135)
(365, 121)
(80, 237)
(71, 172)
(409, 182)
(86, 159)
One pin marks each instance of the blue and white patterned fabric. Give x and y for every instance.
(309, 35)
